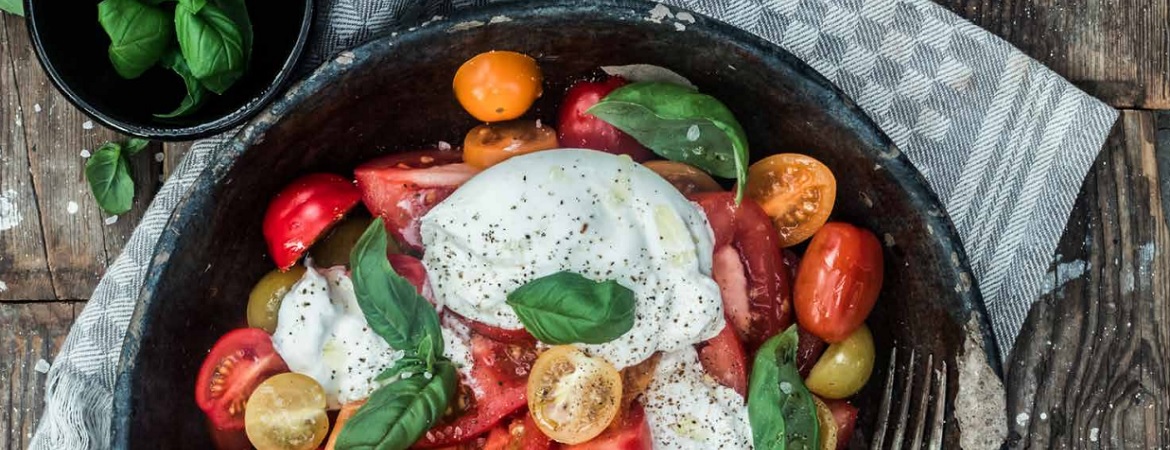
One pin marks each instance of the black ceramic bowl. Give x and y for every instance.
(71, 46)
(394, 94)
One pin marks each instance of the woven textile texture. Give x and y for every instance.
(1002, 140)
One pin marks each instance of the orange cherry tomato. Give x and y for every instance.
(498, 85)
(492, 143)
(686, 178)
(838, 282)
(796, 191)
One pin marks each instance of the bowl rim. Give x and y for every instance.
(249, 108)
(223, 158)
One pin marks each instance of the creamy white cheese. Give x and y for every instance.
(322, 333)
(593, 213)
(687, 409)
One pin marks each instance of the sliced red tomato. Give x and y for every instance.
(631, 432)
(521, 434)
(239, 361)
(839, 281)
(519, 337)
(303, 211)
(579, 129)
(723, 358)
(755, 286)
(845, 414)
(500, 372)
(808, 350)
(402, 187)
(413, 270)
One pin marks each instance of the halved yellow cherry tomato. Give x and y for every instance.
(573, 397)
(287, 412)
(498, 85)
(264, 300)
(796, 191)
(686, 178)
(844, 367)
(828, 425)
(491, 144)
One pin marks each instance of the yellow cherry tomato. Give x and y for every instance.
(498, 85)
(796, 191)
(844, 367)
(264, 300)
(491, 144)
(287, 412)
(573, 397)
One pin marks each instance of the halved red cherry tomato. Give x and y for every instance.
(413, 270)
(723, 358)
(239, 361)
(796, 190)
(579, 129)
(402, 187)
(755, 286)
(500, 371)
(839, 281)
(845, 414)
(521, 434)
(630, 432)
(808, 350)
(303, 211)
(519, 337)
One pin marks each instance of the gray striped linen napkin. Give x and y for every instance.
(1002, 140)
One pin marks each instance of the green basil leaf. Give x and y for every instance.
(135, 145)
(398, 414)
(194, 5)
(139, 34)
(196, 93)
(12, 7)
(212, 45)
(408, 364)
(780, 408)
(109, 179)
(567, 308)
(238, 11)
(680, 124)
(391, 305)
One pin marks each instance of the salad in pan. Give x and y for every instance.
(585, 284)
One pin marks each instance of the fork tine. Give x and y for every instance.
(920, 415)
(904, 407)
(879, 435)
(940, 403)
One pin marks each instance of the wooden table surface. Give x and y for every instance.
(1093, 371)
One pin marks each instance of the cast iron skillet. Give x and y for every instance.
(394, 94)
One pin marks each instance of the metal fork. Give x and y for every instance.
(905, 396)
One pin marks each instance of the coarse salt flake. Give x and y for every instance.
(111, 220)
(87, 125)
(71, 208)
(85, 153)
(42, 366)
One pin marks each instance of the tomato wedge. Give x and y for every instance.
(845, 414)
(500, 371)
(839, 281)
(723, 358)
(303, 211)
(748, 267)
(413, 270)
(402, 187)
(521, 434)
(506, 336)
(579, 129)
(239, 361)
(631, 432)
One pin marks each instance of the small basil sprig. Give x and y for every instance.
(680, 124)
(397, 414)
(108, 174)
(780, 408)
(139, 34)
(567, 308)
(212, 44)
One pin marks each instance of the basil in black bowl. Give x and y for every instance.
(169, 70)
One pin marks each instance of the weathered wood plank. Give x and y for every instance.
(174, 152)
(79, 239)
(32, 332)
(1092, 368)
(1116, 50)
(24, 271)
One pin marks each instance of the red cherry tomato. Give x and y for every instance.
(521, 434)
(723, 358)
(579, 129)
(838, 281)
(501, 373)
(239, 361)
(303, 211)
(401, 188)
(845, 414)
(630, 432)
(748, 267)
(808, 350)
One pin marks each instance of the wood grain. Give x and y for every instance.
(32, 332)
(79, 240)
(24, 271)
(1117, 50)
(174, 152)
(1094, 370)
